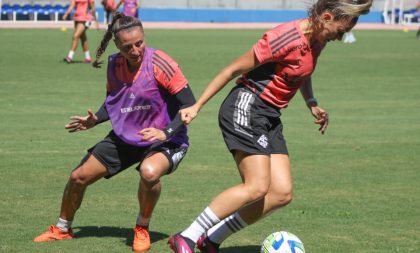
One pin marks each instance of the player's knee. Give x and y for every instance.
(77, 179)
(258, 192)
(282, 199)
(149, 174)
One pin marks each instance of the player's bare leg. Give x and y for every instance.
(151, 169)
(278, 195)
(255, 173)
(79, 180)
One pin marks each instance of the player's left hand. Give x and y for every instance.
(321, 117)
(152, 134)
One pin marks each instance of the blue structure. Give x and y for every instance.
(234, 15)
(34, 12)
(54, 12)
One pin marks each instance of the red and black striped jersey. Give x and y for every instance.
(287, 61)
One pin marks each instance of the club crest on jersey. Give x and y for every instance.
(132, 96)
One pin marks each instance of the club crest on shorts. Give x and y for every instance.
(263, 141)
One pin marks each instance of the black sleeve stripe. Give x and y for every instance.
(285, 42)
(158, 57)
(163, 68)
(282, 36)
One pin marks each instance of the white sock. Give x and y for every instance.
(141, 221)
(87, 55)
(204, 221)
(71, 54)
(226, 227)
(63, 224)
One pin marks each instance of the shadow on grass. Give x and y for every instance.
(74, 62)
(127, 233)
(93, 231)
(242, 249)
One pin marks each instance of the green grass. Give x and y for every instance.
(356, 189)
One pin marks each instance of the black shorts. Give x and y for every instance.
(116, 155)
(251, 125)
(85, 23)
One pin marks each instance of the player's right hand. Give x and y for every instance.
(82, 123)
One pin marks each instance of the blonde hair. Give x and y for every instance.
(341, 9)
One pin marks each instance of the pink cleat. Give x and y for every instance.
(179, 244)
(206, 246)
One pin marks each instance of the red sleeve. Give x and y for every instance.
(168, 73)
(262, 50)
(274, 44)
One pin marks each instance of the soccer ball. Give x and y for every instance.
(282, 242)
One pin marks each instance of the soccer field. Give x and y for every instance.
(356, 188)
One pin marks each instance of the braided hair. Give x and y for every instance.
(119, 22)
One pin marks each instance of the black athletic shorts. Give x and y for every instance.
(116, 155)
(85, 23)
(251, 125)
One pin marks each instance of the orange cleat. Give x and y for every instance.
(141, 242)
(54, 234)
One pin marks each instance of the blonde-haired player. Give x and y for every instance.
(272, 71)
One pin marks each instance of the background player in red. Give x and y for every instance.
(110, 6)
(82, 19)
(145, 90)
(273, 70)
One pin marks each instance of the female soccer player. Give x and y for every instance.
(273, 70)
(109, 7)
(82, 19)
(145, 90)
(131, 7)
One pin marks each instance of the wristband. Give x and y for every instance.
(168, 132)
(311, 101)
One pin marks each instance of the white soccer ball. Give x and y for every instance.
(282, 242)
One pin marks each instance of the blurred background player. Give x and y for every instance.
(145, 90)
(131, 7)
(82, 19)
(418, 18)
(109, 7)
(273, 70)
(349, 37)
